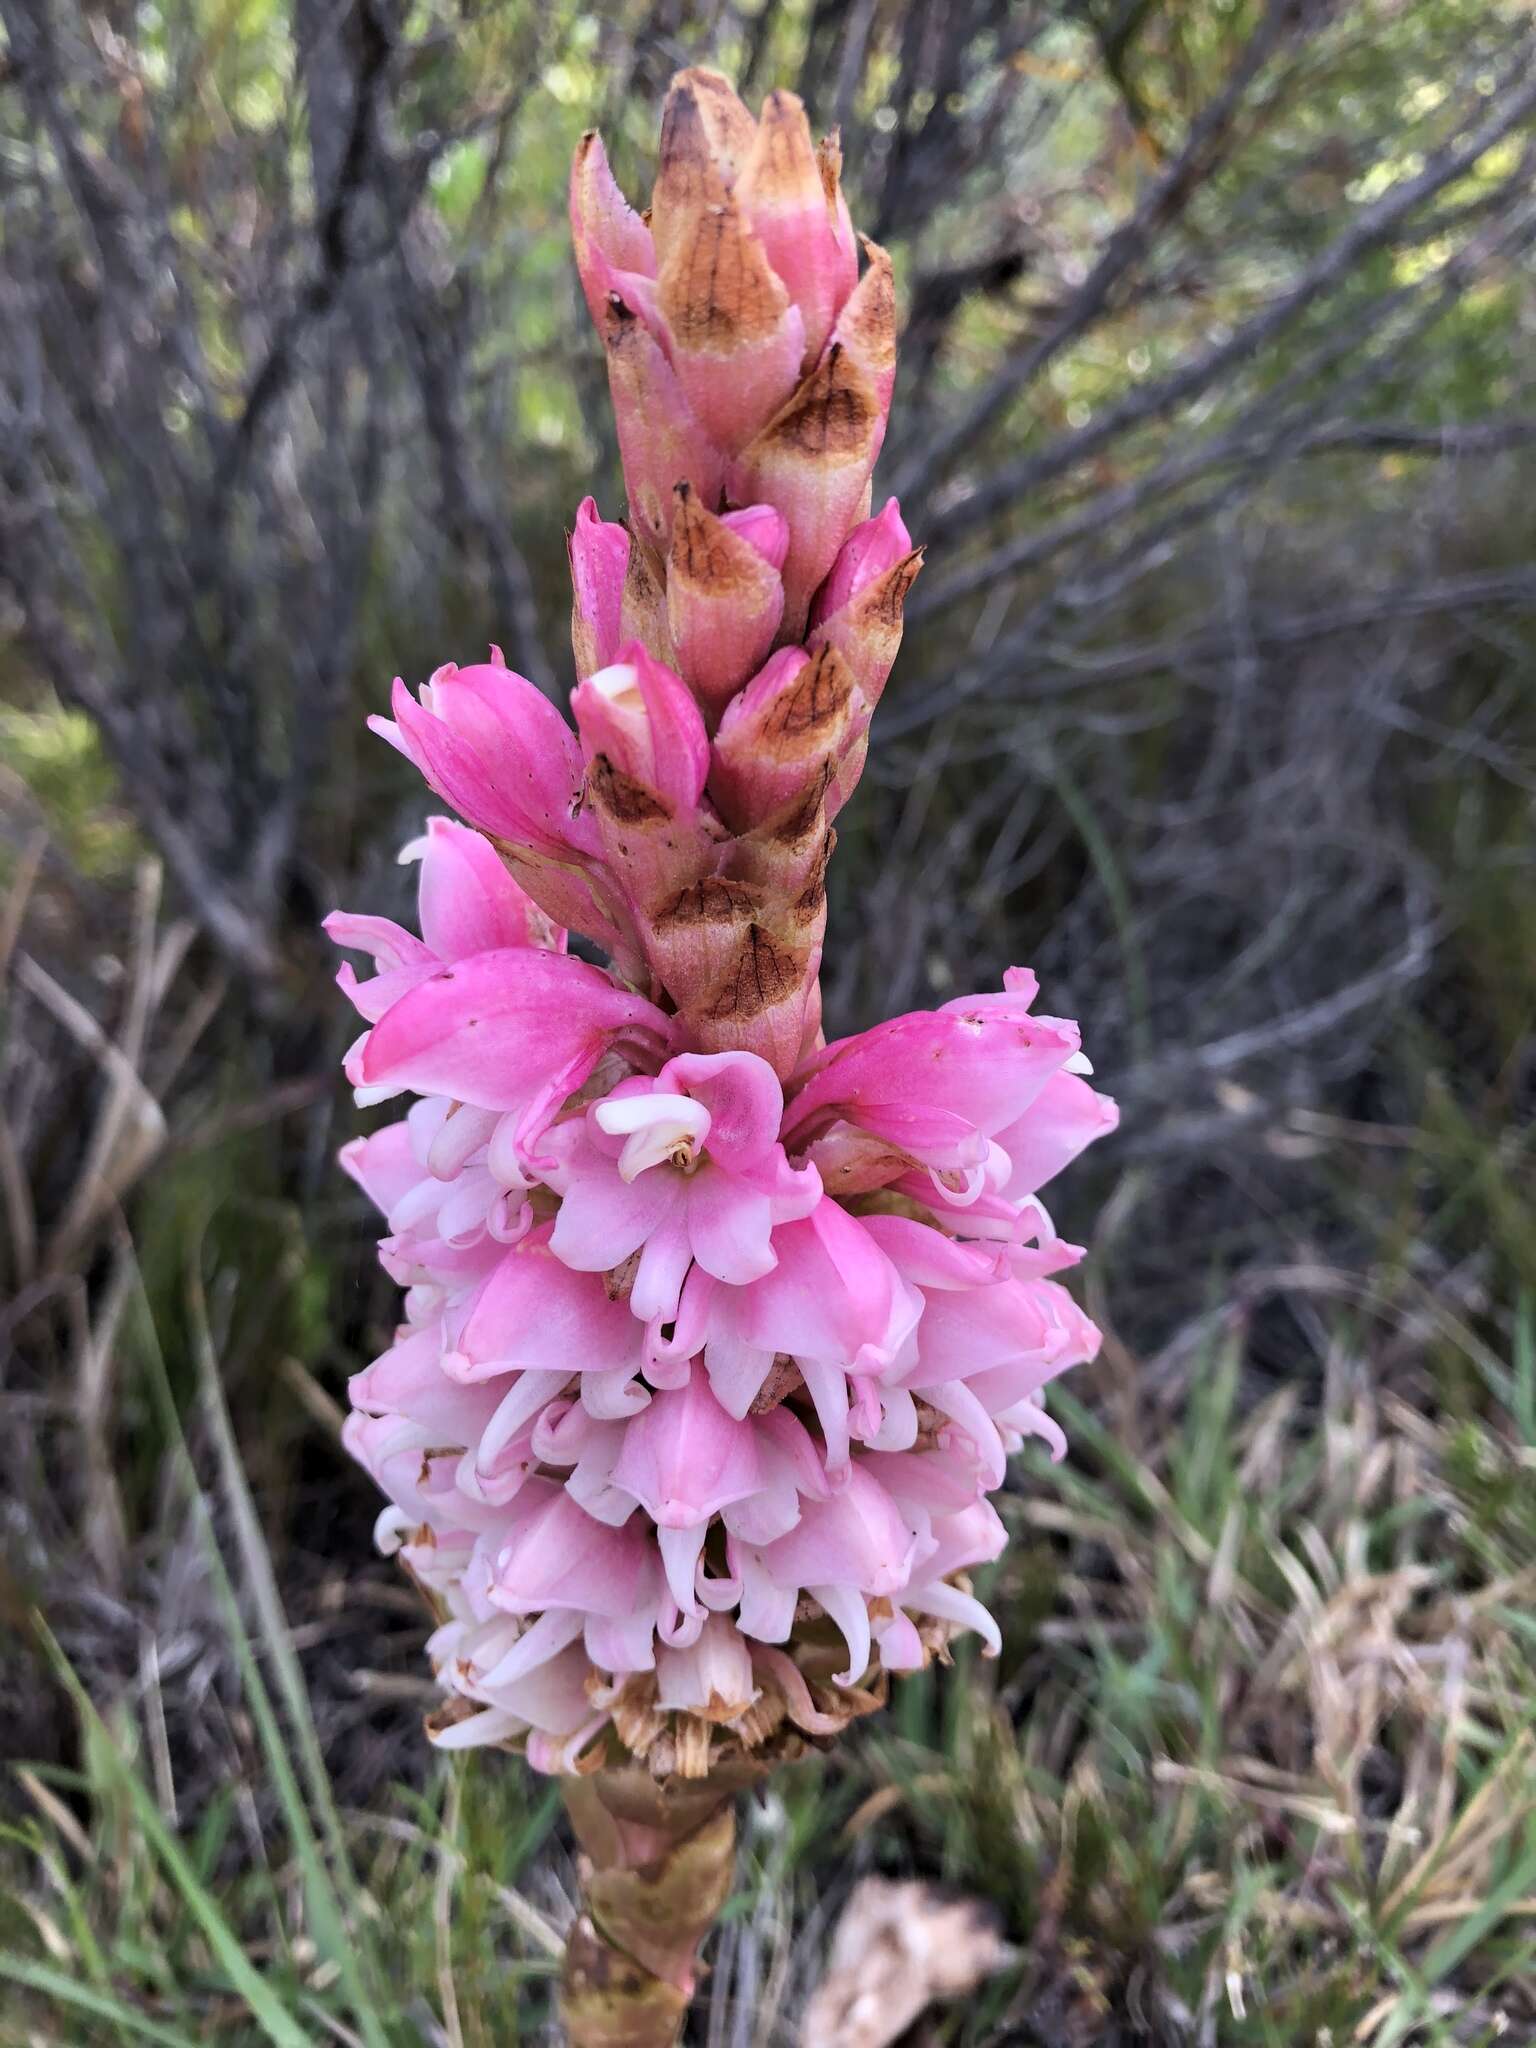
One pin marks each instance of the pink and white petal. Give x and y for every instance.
(664, 1263)
(603, 1218)
(730, 1228)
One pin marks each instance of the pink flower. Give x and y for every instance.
(494, 747)
(508, 1030)
(834, 1304)
(686, 1166)
(715, 1336)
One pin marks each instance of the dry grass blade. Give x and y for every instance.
(131, 1118)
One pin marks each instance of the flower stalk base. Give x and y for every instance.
(659, 1859)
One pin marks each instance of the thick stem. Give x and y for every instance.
(659, 1860)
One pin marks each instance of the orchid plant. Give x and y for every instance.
(716, 1335)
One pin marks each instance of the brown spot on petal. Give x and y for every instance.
(617, 796)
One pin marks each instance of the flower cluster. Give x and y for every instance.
(716, 1335)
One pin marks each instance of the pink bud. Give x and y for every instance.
(779, 735)
(764, 529)
(736, 341)
(790, 206)
(724, 595)
(812, 463)
(609, 235)
(495, 748)
(866, 554)
(466, 900)
(599, 557)
(638, 719)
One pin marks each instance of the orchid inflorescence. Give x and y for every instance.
(716, 1335)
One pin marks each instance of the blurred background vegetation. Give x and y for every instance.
(1218, 707)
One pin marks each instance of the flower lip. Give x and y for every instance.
(620, 685)
(656, 1129)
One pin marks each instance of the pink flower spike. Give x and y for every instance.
(599, 558)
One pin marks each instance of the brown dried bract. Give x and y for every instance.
(867, 324)
(763, 974)
(706, 136)
(782, 171)
(712, 903)
(808, 716)
(830, 418)
(718, 290)
(617, 796)
(707, 554)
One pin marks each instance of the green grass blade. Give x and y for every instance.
(69, 1991)
(329, 1920)
(266, 2008)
